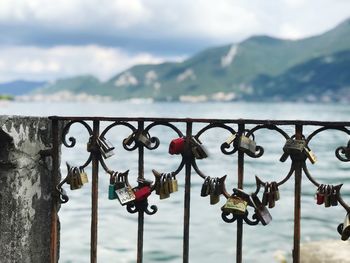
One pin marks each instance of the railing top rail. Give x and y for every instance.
(234, 121)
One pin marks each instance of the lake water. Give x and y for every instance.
(211, 239)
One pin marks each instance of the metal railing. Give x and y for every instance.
(240, 207)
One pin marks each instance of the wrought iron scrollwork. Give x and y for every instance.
(141, 138)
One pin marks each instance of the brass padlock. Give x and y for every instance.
(231, 138)
(344, 229)
(214, 195)
(174, 183)
(235, 205)
(261, 211)
(205, 191)
(276, 192)
(170, 183)
(310, 155)
(106, 148)
(164, 187)
(247, 145)
(128, 141)
(75, 180)
(83, 176)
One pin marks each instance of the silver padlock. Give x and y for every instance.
(247, 145)
(106, 148)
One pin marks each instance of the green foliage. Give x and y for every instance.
(6, 97)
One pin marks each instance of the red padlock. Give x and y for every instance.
(177, 146)
(142, 193)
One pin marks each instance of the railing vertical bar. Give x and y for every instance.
(55, 181)
(239, 240)
(188, 160)
(297, 200)
(141, 213)
(94, 194)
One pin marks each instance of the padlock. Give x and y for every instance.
(128, 141)
(89, 145)
(170, 182)
(344, 229)
(261, 211)
(320, 195)
(157, 182)
(327, 196)
(75, 180)
(142, 193)
(111, 188)
(310, 155)
(106, 148)
(83, 176)
(265, 199)
(235, 205)
(205, 191)
(198, 150)
(164, 187)
(174, 183)
(231, 138)
(120, 182)
(125, 195)
(271, 197)
(247, 145)
(214, 195)
(276, 192)
(177, 146)
(334, 196)
(144, 139)
(293, 146)
(123, 190)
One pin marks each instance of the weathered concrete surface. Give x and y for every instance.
(326, 251)
(25, 190)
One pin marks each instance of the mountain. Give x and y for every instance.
(241, 71)
(88, 84)
(325, 78)
(19, 87)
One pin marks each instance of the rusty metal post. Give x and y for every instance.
(141, 213)
(94, 193)
(297, 199)
(54, 217)
(240, 185)
(188, 160)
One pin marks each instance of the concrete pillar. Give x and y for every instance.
(25, 189)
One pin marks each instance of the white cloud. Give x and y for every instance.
(50, 63)
(78, 14)
(84, 28)
(221, 20)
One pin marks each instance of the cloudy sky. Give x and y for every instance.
(45, 40)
